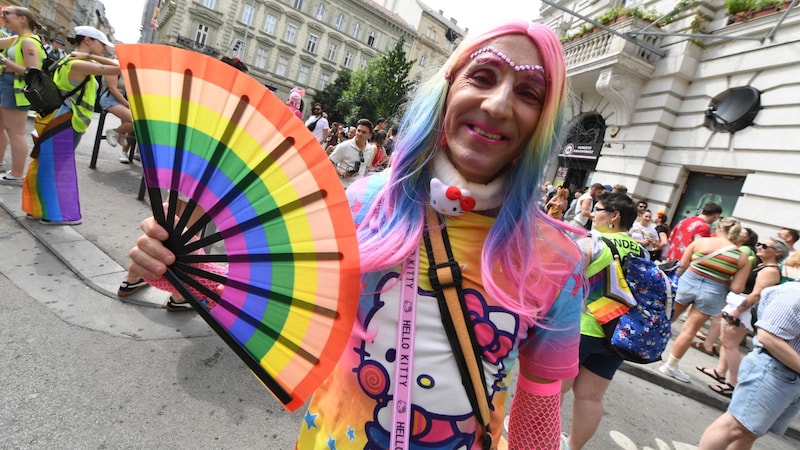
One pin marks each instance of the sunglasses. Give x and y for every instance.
(315, 109)
(763, 245)
(603, 209)
(9, 13)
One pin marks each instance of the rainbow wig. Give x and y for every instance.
(534, 254)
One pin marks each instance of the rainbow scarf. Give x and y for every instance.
(50, 188)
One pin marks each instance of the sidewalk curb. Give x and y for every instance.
(650, 373)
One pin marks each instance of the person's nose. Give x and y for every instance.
(499, 101)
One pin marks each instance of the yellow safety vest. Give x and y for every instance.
(19, 82)
(82, 105)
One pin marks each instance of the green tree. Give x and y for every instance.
(380, 90)
(330, 96)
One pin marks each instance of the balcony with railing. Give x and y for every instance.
(190, 44)
(600, 49)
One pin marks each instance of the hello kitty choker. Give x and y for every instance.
(484, 197)
(518, 68)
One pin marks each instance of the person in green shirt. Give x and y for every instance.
(614, 214)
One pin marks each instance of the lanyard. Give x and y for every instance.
(403, 364)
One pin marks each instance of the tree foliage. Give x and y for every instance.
(380, 90)
(330, 96)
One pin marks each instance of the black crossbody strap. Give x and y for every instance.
(445, 277)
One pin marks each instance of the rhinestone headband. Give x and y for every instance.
(518, 68)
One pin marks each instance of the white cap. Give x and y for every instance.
(94, 33)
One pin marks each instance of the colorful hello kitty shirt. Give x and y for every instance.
(352, 409)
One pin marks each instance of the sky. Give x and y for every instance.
(125, 15)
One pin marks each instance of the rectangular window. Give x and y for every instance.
(348, 59)
(422, 59)
(291, 33)
(339, 21)
(283, 65)
(356, 30)
(298, 4)
(262, 57)
(364, 62)
(201, 35)
(311, 45)
(238, 48)
(210, 4)
(269, 24)
(431, 33)
(302, 76)
(320, 11)
(332, 48)
(324, 80)
(247, 14)
(371, 39)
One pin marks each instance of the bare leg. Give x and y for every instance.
(14, 123)
(587, 407)
(684, 340)
(726, 433)
(731, 338)
(714, 329)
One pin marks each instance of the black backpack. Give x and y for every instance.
(50, 62)
(42, 92)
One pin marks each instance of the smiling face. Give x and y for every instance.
(492, 108)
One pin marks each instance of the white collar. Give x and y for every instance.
(487, 196)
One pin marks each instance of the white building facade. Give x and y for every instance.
(654, 112)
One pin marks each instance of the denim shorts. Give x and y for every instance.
(705, 294)
(108, 101)
(595, 355)
(768, 394)
(7, 99)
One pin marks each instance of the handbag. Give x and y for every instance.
(445, 278)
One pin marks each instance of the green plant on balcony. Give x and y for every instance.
(746, 9)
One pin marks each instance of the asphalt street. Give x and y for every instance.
(82, 369)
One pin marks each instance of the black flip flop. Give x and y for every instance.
(725, 390)
(711, 373)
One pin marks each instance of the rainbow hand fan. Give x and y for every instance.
(290, 267)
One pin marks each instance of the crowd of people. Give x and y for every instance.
(50, 183)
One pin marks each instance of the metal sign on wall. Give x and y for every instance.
(581, 150)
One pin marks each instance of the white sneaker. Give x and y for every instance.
(123, 157)
(674, 372)
(112, 137)
(564, 445)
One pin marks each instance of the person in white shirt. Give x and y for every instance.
(353, 156)
(318, 124)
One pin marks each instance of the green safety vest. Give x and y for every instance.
(83, 110)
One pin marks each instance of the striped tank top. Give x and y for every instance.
(719, 268)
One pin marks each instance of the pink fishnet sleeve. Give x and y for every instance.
(535, 420)
(164, 285)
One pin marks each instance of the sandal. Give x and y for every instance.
(700, 335)
(175, 306)
(725, 390)
(711, 373)
(697, 345)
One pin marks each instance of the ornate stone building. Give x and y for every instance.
(60, 17)
(287, 43)
(698, 106)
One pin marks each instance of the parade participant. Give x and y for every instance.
(50, 191)
(19, 52)
(485, 124)
(709, 268)
(613, 214)
(766, 398)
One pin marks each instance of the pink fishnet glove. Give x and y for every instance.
(535, 420)
(165, 285)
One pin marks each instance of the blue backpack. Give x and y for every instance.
(641, 334)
